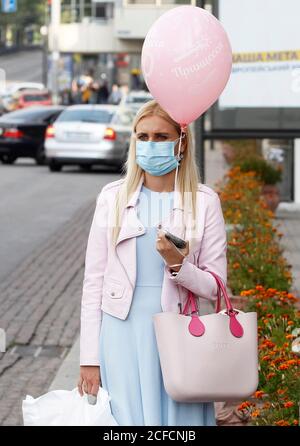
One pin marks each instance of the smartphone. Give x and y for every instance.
(178, 242)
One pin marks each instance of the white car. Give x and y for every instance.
(14, 87)
(135, 99)
(89, 134)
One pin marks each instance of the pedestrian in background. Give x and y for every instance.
(103, 93)
(115, 95)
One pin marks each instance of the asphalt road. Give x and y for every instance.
(23, 66)
(36, 202)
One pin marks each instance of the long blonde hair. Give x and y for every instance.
(188, 175)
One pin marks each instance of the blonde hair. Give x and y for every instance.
(187, 179)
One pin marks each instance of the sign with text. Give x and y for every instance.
(265, 39)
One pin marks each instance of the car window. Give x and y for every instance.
(49, 119)
(98, 116)
(35, 97)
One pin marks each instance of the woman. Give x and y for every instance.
(133, 271)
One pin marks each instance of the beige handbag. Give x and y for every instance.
(213, 357)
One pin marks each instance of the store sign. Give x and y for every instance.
(265, 39)
(122, 60)
(65, 72)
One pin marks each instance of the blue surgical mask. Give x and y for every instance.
(156, 158)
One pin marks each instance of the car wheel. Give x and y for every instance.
(54, 166)
(8, 159)
(40, 156)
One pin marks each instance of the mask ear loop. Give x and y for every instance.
(182, 134)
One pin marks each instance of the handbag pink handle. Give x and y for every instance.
(194, 326)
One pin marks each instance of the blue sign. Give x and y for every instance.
(9, 5)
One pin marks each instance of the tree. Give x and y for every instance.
(29, 13)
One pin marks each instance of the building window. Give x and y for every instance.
(100, 12)
(75, 11)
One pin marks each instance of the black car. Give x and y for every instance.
(22, 133)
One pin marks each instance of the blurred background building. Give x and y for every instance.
(107, 36)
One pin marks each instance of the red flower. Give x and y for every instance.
(289, 404)
(259, 394)
(282, 423)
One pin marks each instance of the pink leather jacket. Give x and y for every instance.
(110, 274)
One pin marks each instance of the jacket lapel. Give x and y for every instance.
(132, 227)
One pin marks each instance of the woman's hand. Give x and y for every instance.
(169, 252)
(89, 380)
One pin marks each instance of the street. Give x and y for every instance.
(44, 219)
(23, 66)
(35, 203)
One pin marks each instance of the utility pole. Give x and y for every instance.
(55, 24)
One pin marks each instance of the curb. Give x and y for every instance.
(68, 373)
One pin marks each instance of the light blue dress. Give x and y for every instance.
(129, 360)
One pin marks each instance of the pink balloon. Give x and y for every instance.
(186, 61)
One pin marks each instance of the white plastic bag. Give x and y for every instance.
(67, 408)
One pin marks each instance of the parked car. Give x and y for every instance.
(89, 134)
(6, 97)
(13, 87)
(22, 133)
(29, 98)
(135, 99)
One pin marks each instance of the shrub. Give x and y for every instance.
(265, 172)
(254, 252)
(240, 149)
(279, 377)
(258, 270)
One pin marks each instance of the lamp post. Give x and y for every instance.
(44, 34)
(55, 24)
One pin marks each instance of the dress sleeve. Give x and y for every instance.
(212, 256)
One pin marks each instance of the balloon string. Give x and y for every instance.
(178, 158)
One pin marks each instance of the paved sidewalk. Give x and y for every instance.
(40, 311)
(68, 373)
